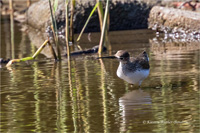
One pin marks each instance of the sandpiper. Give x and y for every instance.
(133, 70)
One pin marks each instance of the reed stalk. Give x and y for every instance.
(28, 58)
(52, 50)
(71, 21)
(102, 39)
(87, 20)
(28, 3)
(53, 20)
(55, 6)
(107, 25)
(67, 28)
(40, 49)
(12, 28)
(100, 13)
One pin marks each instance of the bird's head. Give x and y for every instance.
(122, 55)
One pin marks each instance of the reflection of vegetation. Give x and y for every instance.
(104, 95)
(88, 99)
(87, 95)
(37, 98)
(170, 99)
(173, 46)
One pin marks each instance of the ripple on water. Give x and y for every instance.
(47, 96)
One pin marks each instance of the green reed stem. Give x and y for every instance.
(67, 28)
(28, 58)
(28, 3)
(95, 7)
(12, 27)
(53, 19)
(71, 21)
(102, 39)
(40, 49)
(100, 13)
(55, 6)
(52, 50)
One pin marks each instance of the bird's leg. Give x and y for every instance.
(140, 82)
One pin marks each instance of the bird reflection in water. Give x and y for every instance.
(134, 106)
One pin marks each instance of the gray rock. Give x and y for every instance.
(170, 20)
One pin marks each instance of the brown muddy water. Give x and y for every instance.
(87, 96)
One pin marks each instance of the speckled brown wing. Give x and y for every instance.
(143, 60)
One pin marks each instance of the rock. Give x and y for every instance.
(38, 15)
(124, 15)
(170, 20)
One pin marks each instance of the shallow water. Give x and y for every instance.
(87, 96)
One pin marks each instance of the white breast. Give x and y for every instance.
(133, 77)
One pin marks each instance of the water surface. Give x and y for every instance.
(87, 96)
